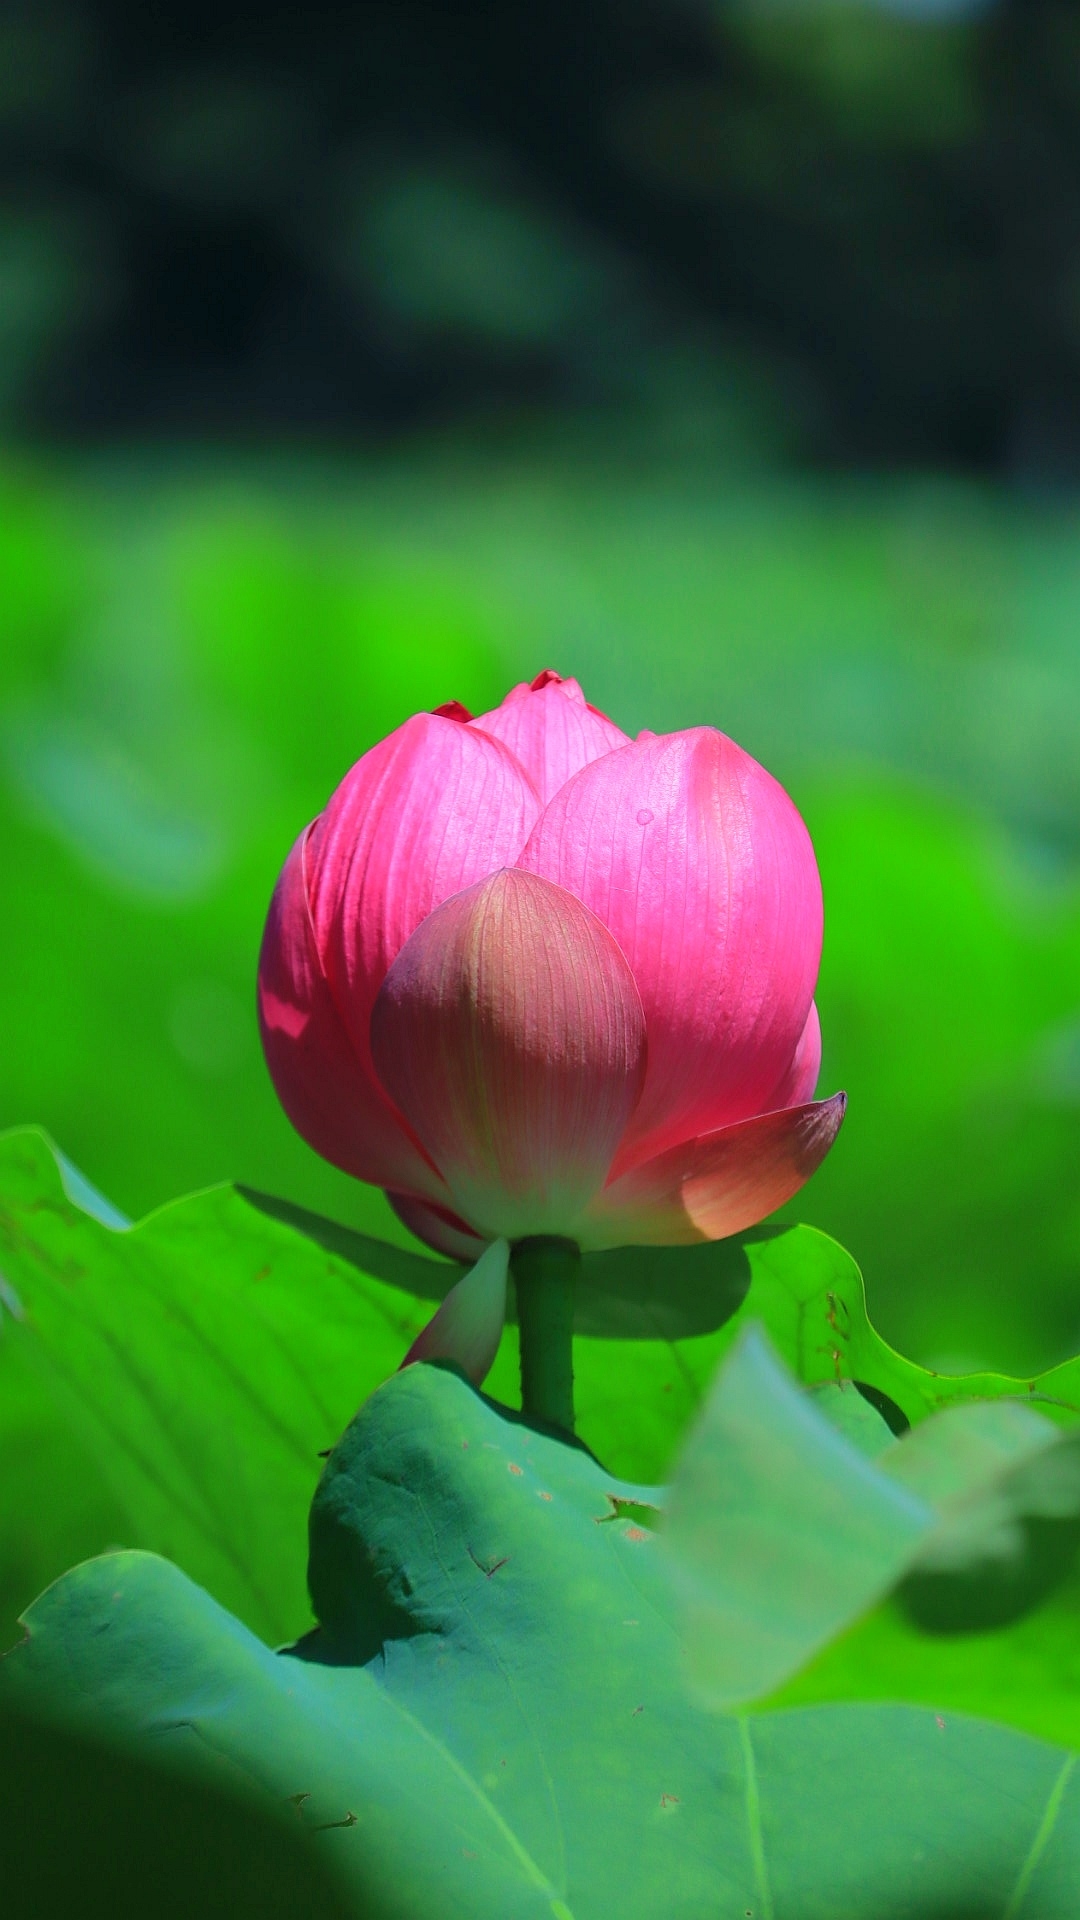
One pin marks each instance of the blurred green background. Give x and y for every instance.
(725, 356)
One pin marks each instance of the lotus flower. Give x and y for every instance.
(533, 977)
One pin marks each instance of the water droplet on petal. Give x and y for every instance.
(645, 814)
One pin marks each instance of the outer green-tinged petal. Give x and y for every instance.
(469, 1324)
(510, 1033)
(719, 1184)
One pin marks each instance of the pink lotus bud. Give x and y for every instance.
(534, 978)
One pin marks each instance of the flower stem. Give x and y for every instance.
(545, 1275)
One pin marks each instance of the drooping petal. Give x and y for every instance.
(437, 1227)
(697, 861)
(468, 1326)
(550, 727)
(510, 1033)
(801, 1078)
(426, 812)
(717, 1185)
(339, 1109)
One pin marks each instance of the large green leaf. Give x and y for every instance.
(489, 1720)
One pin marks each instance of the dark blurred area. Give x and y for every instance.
(237, 220)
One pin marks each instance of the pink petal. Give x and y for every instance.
(428, 811)
(510, 1032)
(699, 865)
(468, 1326)
(551, 729)
(339, 1109)
(438, 1227)
(798, 1083)
(720, 1184)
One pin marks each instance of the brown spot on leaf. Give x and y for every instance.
(837, 1307)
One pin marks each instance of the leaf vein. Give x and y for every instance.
(1042, 1838)
(753, 1820)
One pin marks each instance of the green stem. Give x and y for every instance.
(545, 1276)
